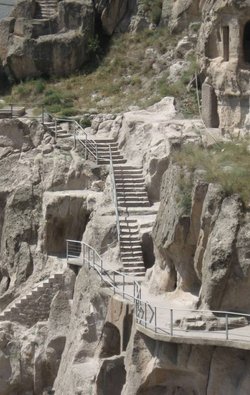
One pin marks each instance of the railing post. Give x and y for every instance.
(83, 254)
(88, 255)
(86, 151)
(67, 251)
(123, 286)
(155, 319)
(171, 322)
(114, 281)
(96, 152)
(226, 326)
(42, 114)
(11, 110)
(56, 129)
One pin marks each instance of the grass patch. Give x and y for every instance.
(185, 183)
(125, 76)
(227, 164)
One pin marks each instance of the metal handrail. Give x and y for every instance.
(113, 186)
(146, 314)
(89, 144)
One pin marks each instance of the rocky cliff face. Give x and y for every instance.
(86, 340)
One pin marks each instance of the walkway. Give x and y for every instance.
(172, 323)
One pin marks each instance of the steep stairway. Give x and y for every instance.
(56, 130)
(130, 247)
(103, 152)
(130, 187)
(46, 9)
(130, 192)
(35, 305)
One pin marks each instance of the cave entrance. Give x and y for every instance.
(225, 34)
(66, 218)
(111, 341)
(148, 250)
(246, 43)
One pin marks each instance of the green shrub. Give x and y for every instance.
(40, 86)
(69, 112)
(185, 183)
(85, 122)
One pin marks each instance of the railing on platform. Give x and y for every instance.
(114, 194)
(81, 254)
(90, 146)
(188, 323)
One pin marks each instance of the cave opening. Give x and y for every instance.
(225, 33)
(66, 218)
(148, 250)
(246, 43)
(111, 341)
(127, 327)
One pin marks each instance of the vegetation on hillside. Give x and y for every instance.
(227, 164)
(126, 74)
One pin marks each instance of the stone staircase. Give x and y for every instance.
(46, 9)
(130, 247)
(131, 193)
(35, 305)
(56, 130)
(103, 152)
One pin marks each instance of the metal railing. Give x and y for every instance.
(184, 323)
(90, 146)
(80, 254)
(114, 194)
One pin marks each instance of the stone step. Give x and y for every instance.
(131, 253)
(103, 156)
(134, 188)
(129, 178)
(106, 161)
(128, 220)
(132, 248)
(132, 196)
(129, 184)
(134, 270)
(129, 238)
(105, 148)
(131, 259)
(127, 231)
(105, 141)
(130, 245)
(134, 263)
(125, 172)
(123, 205)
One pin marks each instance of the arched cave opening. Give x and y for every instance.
(225, 32)
(65, 219)
(246, 43)
(111, 341)
(148, 250)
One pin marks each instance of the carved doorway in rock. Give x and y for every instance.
(225, 34)
(246, 43)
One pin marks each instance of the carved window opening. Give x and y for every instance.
(225, 34)
(246, 43)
